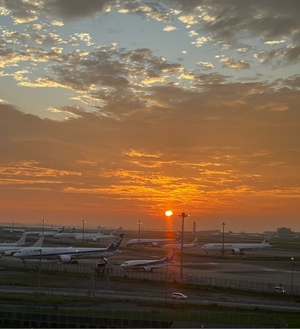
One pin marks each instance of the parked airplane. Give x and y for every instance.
(45, 233)
(152, 242)
(15, 244)
(9, 251)
(110, 229)
(148, 265)
(94, 236)
(235, 248)
(52, 232)
(12, 230)
(65, 235)
(70, 254)
(178, 245)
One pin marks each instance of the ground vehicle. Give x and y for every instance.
(280, 289)
(100, 267)
(178, 295)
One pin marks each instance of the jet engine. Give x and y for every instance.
(9, 253)
(65, 258)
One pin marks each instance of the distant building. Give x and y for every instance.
(194, 227)
(284, 231)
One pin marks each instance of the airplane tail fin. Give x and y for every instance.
(39, 242)
(267, 239)
(61, 230)
(21, 240)
(99, 232)
(195, 241)
(115, 245)
(170, 255)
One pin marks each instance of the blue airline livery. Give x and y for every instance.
(70, 254)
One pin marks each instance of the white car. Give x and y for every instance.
(178, 295)
(280, 289)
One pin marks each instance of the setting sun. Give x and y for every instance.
(169, 213)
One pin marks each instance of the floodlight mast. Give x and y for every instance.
(44, 227)
(139, 233)
(183, 215)
(83, 222)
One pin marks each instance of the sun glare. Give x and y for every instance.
(169, 213)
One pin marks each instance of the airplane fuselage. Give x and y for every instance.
(234, 247)
(149, 242)
(143, 265)
(68, 254)
(148, 265)
(65, 235)
(55, 253)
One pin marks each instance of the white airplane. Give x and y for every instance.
(178, 245)
(110, 229)
(65, 235)
(94, 236)
(15, 244)
(152, 242)
(70, 254)
(12, 230)
(52, 232)
(9, 251)
(45, 233)
(148, 265)
(235, 248)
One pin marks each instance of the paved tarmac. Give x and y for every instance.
(272, 265)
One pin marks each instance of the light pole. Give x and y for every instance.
(223, 239)
(139, 224)
(292, 292)
(43, 226)
(13, 226)
(183, 215)
(166, 292)
(40, 269)
(83, 222)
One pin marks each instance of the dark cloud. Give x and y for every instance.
(233, 19)
(234, 64)
(22, 11)
(75, 9)
(293, 54)
(269, 19)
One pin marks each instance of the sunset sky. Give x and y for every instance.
(113, 111)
